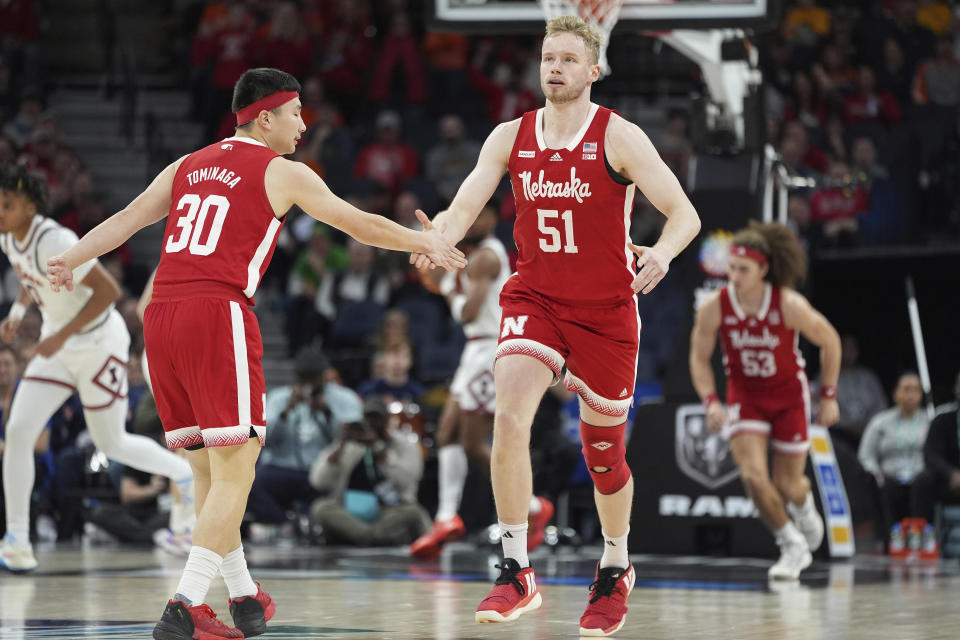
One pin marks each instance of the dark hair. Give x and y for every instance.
(785, 256)
(310, 363)
(256, 84)
(18, 180)
(9, 349)
(909, 373)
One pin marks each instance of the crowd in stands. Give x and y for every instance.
(396, 115)
(864, 97)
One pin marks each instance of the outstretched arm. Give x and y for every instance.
(482, 182)
(799, 314)
(477, 188)
(149, 207)
(703, 340)
(293, 183)
(632, 155)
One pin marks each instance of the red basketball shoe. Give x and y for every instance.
(607, 609)
(250, 613)
(180, 622)
(537, 523)
(431, 543)
(514, 593)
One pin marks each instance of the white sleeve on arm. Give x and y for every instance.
(53, 243)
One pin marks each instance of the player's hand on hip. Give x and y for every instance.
(652, 265)
(59, 274)
(50, 345)
(8, 329)
(828, 412)
(716, 417)
(442, 253)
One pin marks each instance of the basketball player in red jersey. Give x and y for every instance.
(574, 167)
(226, 204)
(759, 316)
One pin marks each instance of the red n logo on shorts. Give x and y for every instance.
(513, 326)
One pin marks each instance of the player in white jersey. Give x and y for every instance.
(84, 347)
(473, 295)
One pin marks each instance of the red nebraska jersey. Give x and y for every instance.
(760, 353)
(221, 230)
(573, 215)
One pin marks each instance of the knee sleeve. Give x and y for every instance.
(604, 448)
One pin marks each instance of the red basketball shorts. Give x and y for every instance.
(782, 414)
(204, 359)
(598, 344)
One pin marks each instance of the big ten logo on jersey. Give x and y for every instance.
(192, 223)
(513, 326)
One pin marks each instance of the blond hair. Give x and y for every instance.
(590, 34)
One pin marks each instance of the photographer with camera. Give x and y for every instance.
(304, 418)
(371, 474)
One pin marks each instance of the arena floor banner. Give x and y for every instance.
(833, 495)
(688, 497)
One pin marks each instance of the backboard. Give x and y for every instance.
(526, 16)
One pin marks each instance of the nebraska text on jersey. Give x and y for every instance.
(225, 176)
(573, 188)
(746, 340)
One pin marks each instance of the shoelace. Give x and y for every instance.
(207, 612)
(605, 584)
(509, 576)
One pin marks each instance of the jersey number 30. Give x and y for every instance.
(193, 221)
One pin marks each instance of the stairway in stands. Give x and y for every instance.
(91, 107)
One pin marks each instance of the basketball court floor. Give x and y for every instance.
(118, 593)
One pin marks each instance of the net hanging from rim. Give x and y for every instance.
(602, 13)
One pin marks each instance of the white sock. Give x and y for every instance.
(19, 474)
(615, 551)
(806, 508)
(236, 575)
(535, 505)
(514, 540)
(18, 533)
(452, 474)
(789, 533)
(202, 567)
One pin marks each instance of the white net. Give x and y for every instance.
(603, 13)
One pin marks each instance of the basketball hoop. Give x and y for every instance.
(602, 13)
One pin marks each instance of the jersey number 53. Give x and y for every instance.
(758, 364)
(191, 224)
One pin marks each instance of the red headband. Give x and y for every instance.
(747, 252)
(267, 103)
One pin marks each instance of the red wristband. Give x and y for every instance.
(828, 392)
(710, 399)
